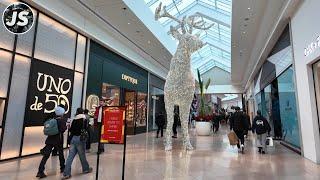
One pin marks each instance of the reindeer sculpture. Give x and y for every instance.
(180, 83)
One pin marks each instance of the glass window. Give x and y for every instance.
(111, 94)
(81, 50)
(130, 103)
(7, 38)
(258, 101)
(25, 41)
(156, 106)
(2, 103)
(288, 108)
(77, 93)
(55, 43)
(33, 140)
(5, 64)
(16, 108)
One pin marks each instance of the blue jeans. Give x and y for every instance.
(76, 147)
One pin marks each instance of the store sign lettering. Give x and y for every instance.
(129, 79)
(312, 47)
(47, 83)
(49, 86)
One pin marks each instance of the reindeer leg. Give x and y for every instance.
(184, 117)
(168, 136)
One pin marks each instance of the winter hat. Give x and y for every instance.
(59, 111)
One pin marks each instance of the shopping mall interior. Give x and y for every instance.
(159, 89)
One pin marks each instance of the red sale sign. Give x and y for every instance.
(112, 130)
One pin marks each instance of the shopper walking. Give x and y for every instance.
(56, 126)
(175, 124)
(239, 125)
(261, 126)
(247, 118)
(77, 144)
(160, 121)
(98, 123)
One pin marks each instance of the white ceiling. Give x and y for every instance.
(256, 25)
(116, 13)
(247, 20)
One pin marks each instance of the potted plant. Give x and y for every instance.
(204, 118)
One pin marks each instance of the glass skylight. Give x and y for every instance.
(217, 52)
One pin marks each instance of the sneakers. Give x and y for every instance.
(260, 150)
(242, 148)
(65, 177)
(263, 152)
(88, 171)
(41, 175)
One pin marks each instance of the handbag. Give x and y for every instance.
(269, 141)
(84, 133)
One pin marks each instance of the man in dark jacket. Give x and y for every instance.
(261, 126)
(54, 141)
(239, 125)
(247, 118)
(160, 121)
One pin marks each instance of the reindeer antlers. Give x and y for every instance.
(190, 21)
(164, 14)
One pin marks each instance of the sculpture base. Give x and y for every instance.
(204, 128)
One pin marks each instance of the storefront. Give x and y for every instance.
(118, 82)
(275, 94)
(38, 70)
(306, 45)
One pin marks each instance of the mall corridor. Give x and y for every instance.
(213, 158)
(77, 72)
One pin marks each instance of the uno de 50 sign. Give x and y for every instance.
(49, 86)
(312, 47)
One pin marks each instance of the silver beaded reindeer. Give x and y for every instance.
(179, 87)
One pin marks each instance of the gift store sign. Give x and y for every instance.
(129, 79)
(49, 86)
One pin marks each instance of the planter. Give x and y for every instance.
(203, 128)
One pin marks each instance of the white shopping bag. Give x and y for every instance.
(269, 141)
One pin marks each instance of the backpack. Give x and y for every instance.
(50, 127)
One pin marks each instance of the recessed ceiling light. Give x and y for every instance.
(249, 8)
(243, 32)
(128, 23)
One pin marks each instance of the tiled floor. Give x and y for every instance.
(212, 158)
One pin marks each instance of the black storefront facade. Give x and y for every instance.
(39, 70)
(118, 82)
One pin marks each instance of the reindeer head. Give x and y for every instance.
(183, 31)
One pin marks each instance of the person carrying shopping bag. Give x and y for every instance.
(261, 126)
(239, 125)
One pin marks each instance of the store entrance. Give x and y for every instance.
(130, 103)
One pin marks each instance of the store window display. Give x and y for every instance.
(141, 119)
(288, 108)
(111, 94)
